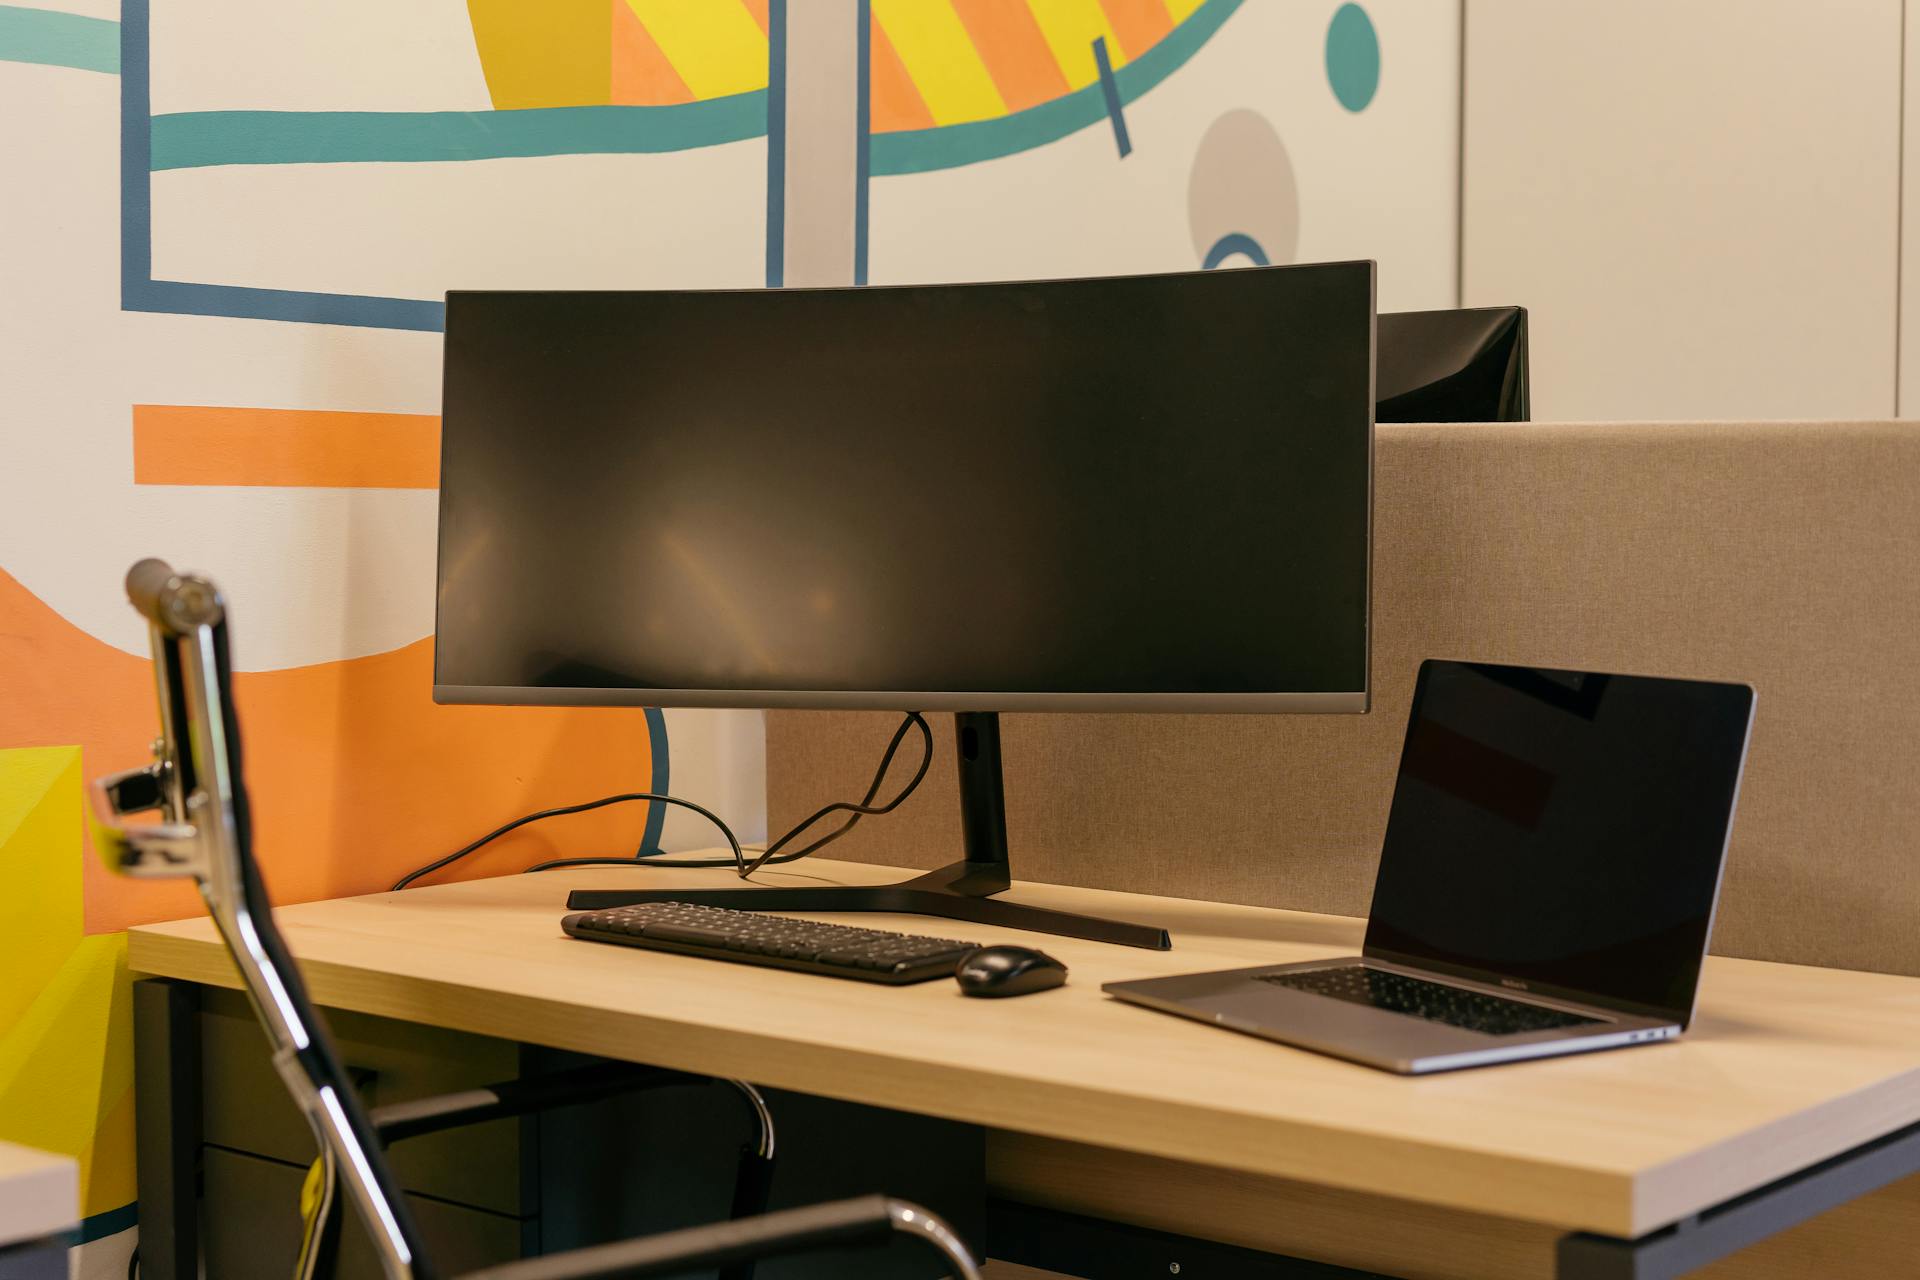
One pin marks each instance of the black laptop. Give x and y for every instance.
(1547, 883)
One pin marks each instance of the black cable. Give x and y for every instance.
(739, 857)
(771, 855)
(865, 808)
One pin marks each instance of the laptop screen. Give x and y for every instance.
(1561, 832)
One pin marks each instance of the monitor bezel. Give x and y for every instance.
(1349, 702)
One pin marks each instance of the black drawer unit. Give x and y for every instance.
(223, 1152)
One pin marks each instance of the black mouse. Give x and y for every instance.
(1009, 971)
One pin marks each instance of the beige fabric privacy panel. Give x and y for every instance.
(1786, 555)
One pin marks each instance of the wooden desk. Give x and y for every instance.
(1109, 1109)
(39, 1204)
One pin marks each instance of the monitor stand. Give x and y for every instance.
(958, 891)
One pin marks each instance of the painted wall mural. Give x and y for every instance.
(228, 226)
(1225, 132)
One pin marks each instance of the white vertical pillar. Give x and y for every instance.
(821, 86)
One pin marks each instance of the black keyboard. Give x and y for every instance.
(779, 942)
(1434, 1001)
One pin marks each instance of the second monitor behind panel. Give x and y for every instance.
(1467, 365)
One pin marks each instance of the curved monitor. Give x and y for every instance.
(1131, 494)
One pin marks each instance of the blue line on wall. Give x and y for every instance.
(242, 302)
(776, 142)
(200, 139)
(136, 177)
(863, 138)
(53, 39)
(1110, 91)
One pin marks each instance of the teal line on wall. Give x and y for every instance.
(197, 139)
(59, 39)
(949, 146)
(110, 1223)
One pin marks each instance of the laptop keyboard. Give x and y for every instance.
(1434, 1001)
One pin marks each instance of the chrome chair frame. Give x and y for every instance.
(196, 783)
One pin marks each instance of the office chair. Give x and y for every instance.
(197, 783)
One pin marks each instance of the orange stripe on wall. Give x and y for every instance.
(1017, 55)
(639, 73)
(296, 448)
(1139, 24)
(893, 101)
(758, 8)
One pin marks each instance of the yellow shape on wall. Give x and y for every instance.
(1070, 28)
(66, 1071)
(715, 45)
(66, 1024)
(940, 58)
(552, 54)
(40, 907)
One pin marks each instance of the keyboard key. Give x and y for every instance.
(675, 931)
(1434, 1001)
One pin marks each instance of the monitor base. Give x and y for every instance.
(959, 891)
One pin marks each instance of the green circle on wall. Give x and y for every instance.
(1353, 57)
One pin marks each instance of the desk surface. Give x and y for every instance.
(1785, 1065)
(39, 1194)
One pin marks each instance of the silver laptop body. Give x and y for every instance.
(1239, 1000)
(1488, 754)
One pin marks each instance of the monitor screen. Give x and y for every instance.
(1140, 493)
(1561, 832)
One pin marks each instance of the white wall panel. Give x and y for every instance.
(1697, 201)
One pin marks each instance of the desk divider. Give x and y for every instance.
(1783, 554)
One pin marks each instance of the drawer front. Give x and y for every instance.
(245, 1107)
(250, 1224)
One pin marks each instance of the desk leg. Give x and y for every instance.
(166, 1053)
(1713, 1234)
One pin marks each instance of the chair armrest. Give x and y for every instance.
(867, 1220)
(402, 1120)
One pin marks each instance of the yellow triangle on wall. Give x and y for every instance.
(40, 867)
(66, 1021)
